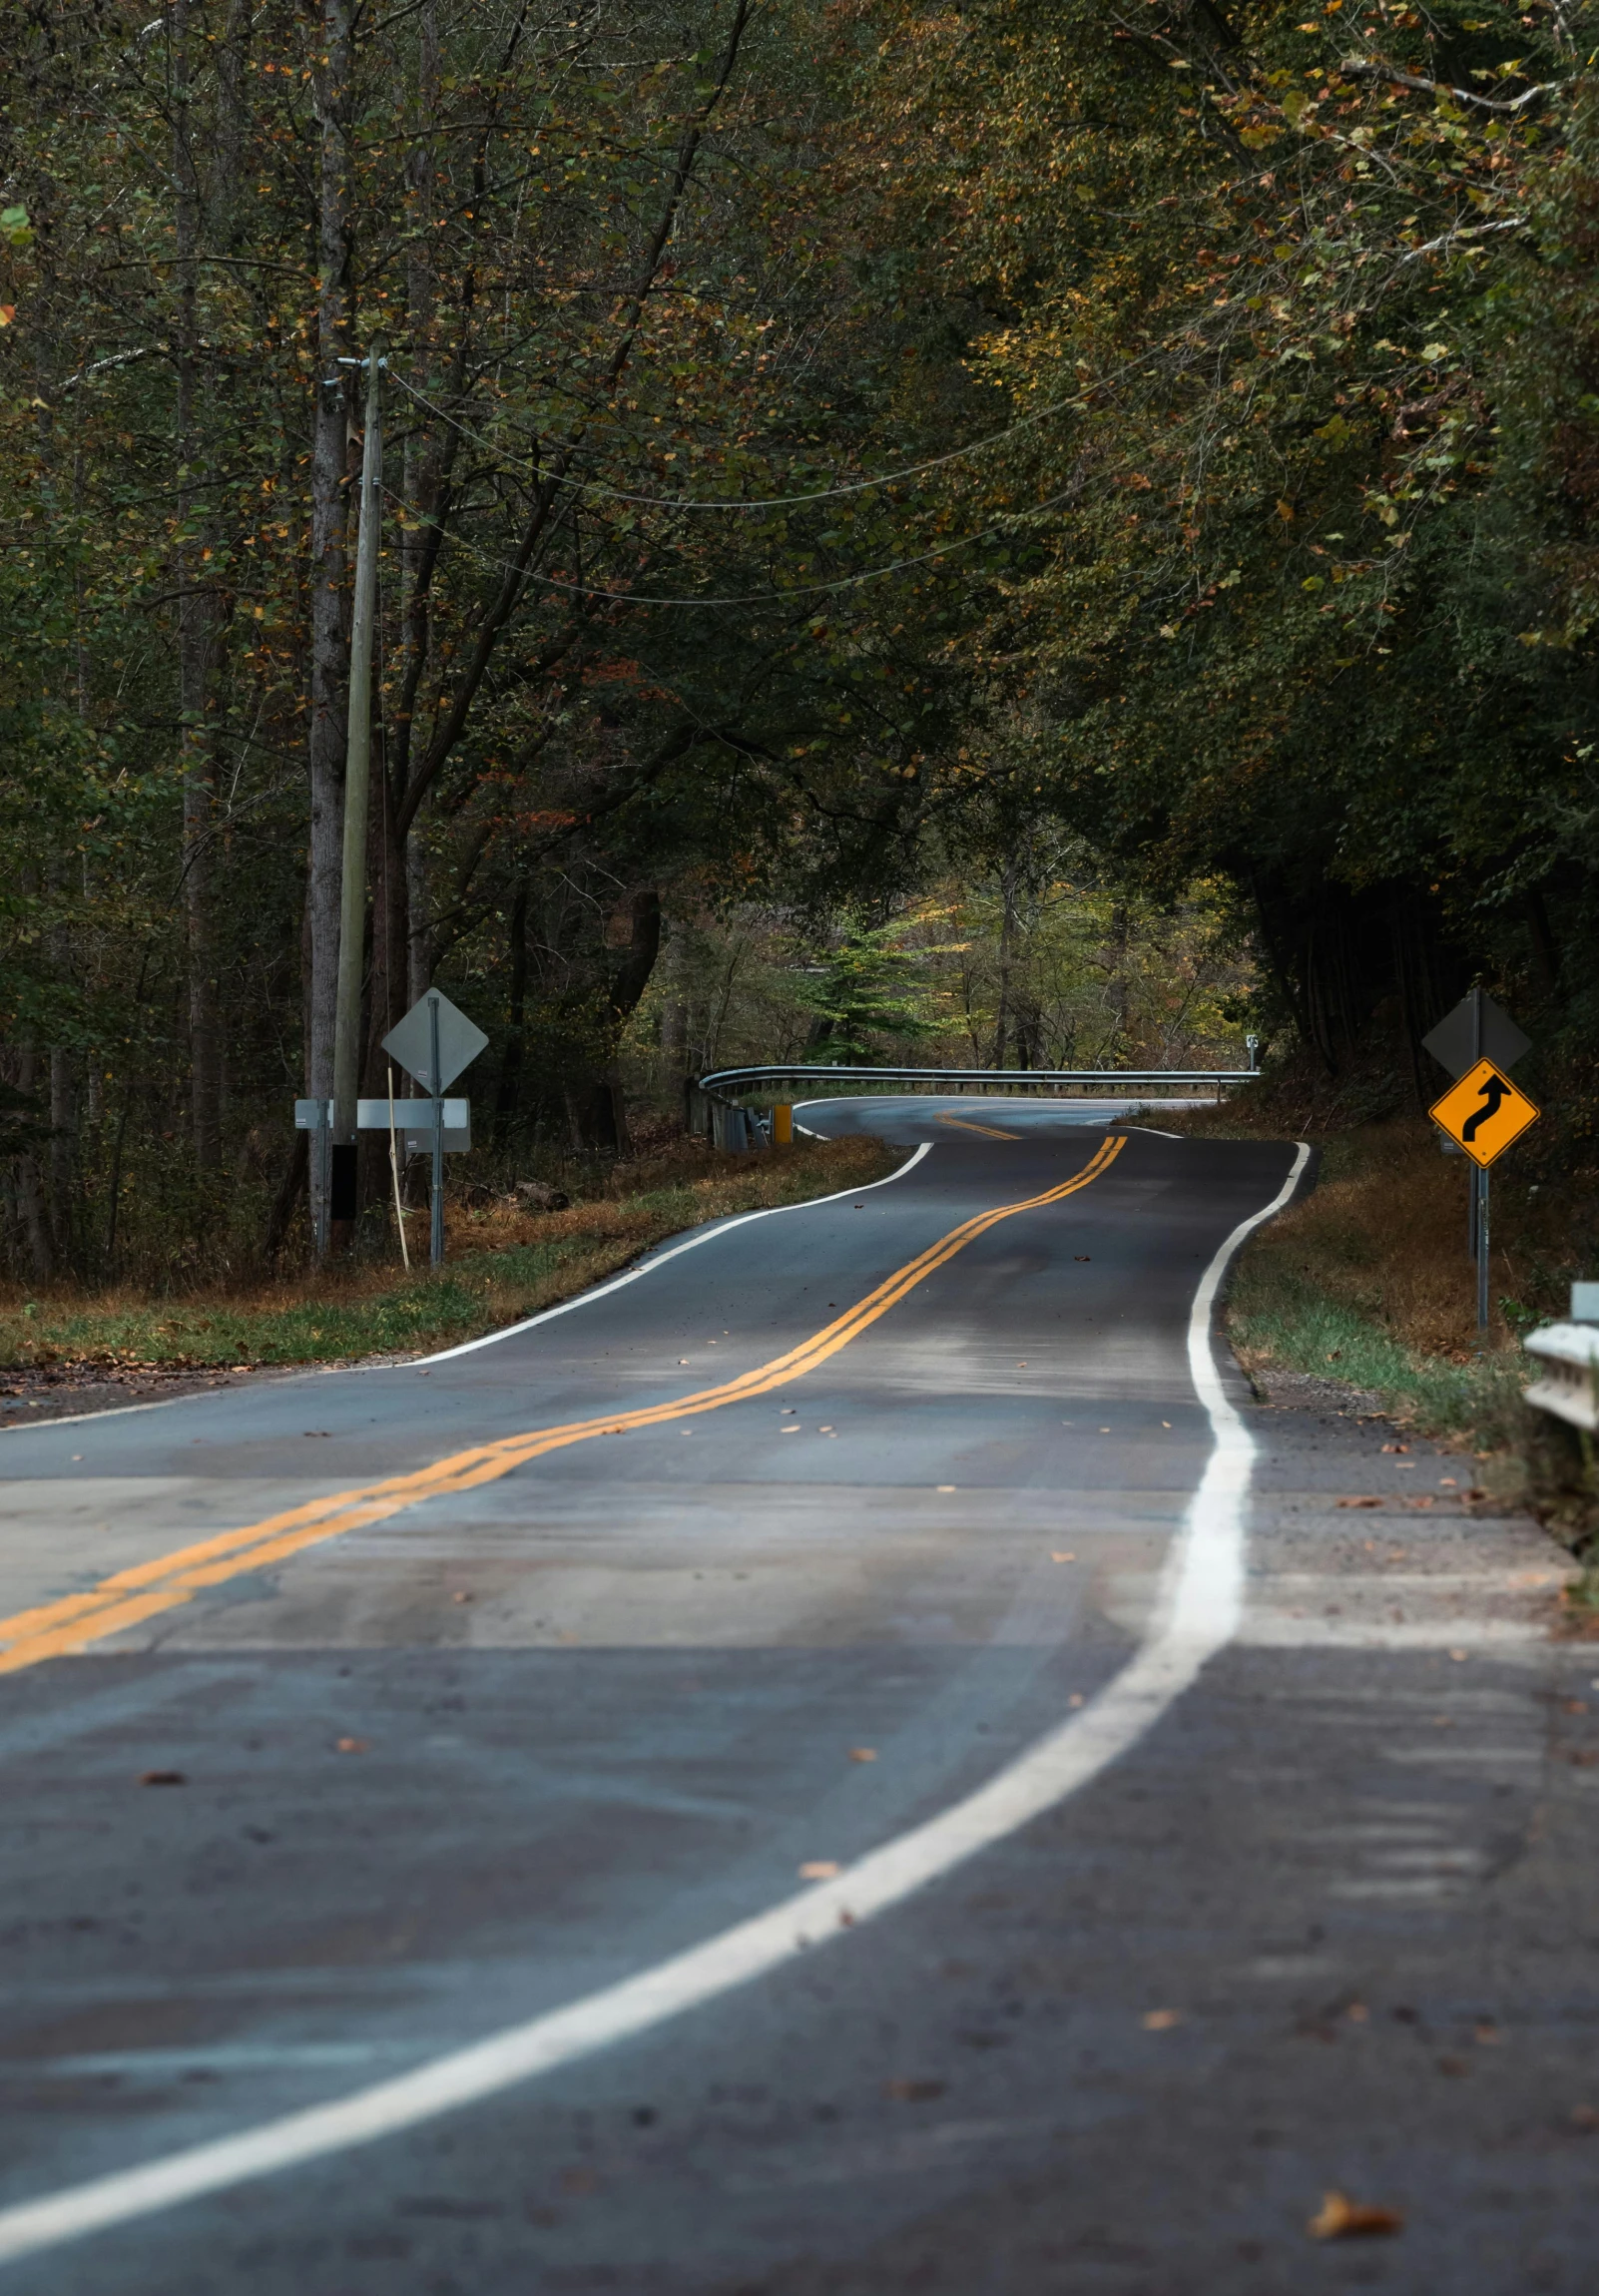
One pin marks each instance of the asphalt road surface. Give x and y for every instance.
(860, 1760)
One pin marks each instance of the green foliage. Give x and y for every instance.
(831, 453)
(871, 990)
(1295, 323)
(668, 710)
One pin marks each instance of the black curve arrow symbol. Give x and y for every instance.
(1495, 1092)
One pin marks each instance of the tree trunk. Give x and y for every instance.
(675, 1013)
(508, 1099)
(63, 1144)
(292, 1187)
(420, 933)
(598, 1110)
(419, 543)
(195, 640)
(31, 1206)
(232, 80)
(330, 466)
(1007, 936)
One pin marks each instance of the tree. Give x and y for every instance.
(869, 988)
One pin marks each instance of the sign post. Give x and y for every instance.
(434, 1042)
(436, 1087)
(1483, 1112)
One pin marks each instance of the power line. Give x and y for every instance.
(1078, 402)
(751, 598)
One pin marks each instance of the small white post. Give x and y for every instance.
(393, 1165)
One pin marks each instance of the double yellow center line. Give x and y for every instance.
(989, 1131)
(130, 1596)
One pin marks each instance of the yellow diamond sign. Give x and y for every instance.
(1484, 1112)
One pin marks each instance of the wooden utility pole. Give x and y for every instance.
(332, 69)
(357, 776)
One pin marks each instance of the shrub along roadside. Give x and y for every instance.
(503, 1262)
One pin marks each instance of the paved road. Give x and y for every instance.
(768, 1783)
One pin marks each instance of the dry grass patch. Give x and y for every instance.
(502, 1263)
(1385, 1234)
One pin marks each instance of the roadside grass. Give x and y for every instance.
(1366, 1282)
(1278, 1313)
(502, 1263)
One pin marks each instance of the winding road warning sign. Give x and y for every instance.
(1484, 1112)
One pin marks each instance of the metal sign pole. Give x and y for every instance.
(1473, 1191)
(1479, 1192)
(434, 1068)
(323, 1148)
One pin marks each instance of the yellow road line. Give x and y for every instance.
(129, 1596)
(965, 1124)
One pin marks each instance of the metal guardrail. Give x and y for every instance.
(713, 1109)
(1120, 1079)
(1566, 1360)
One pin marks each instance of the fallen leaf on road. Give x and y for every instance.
(1161, 2020)
(460, 1599)
(1082, 1255)
(1584, 2117)
(352, 1746)
(163, 1778)
(913, 2091)
(1360, 1503)
(1396, 1447)
(1342, 2218)
(1076, 1698)
(946, 1486)
(1459, 1656)
(819, 1870)
(1063, 1558)
(863, 1753)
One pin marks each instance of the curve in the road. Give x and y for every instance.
(1196, 1616)
(142, 1591)
(648, 1267)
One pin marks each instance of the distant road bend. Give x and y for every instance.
(432, 1787)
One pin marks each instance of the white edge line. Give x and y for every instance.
(283, 1375)
(113, 1412)
(648, 1267)
(1196, 1614)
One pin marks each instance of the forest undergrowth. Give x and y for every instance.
(503, 1261)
